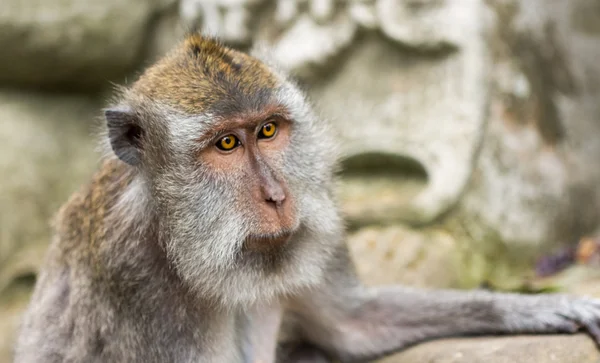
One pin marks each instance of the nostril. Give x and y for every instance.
(273, 193)
(276, 199)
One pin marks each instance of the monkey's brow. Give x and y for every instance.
(248, 121)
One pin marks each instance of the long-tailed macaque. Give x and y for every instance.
(211, 223)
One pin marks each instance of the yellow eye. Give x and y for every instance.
(267, 131)
(228, 142)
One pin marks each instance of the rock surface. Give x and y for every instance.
(47, 151)
(522, 349)
(536, 179)
(73, 43)
(396, 254)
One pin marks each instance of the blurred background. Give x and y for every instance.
(470, 128)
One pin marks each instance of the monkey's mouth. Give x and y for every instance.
(265, 242)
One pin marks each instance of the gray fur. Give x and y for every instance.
(351, 322)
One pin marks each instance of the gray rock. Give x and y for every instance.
(536, 180)
(46, 153)
(387, 104)
(427, 24)
(521, 349)
(73, 43)
(395, 254)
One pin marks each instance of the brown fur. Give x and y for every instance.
(80, 222)
(89, 235)
(201, 73)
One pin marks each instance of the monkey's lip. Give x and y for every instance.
(269, 241)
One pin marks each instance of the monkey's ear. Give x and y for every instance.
(125, 133)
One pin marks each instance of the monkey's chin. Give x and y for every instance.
(268, 242)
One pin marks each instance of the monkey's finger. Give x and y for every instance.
(567, 324)
(594, 330)
(571, 327)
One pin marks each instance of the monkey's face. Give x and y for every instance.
(246, 202)
(250, 149)
(238, 169)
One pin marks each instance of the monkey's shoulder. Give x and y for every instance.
(81, 223)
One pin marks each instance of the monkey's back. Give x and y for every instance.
(78, 299)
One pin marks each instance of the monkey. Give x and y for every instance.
(210, 232)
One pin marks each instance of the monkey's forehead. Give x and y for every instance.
(202, 75)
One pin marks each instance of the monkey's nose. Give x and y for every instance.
(273, 194)
(277, 202)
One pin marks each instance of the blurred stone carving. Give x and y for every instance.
(73, 43)
(306, 32)
(536, 180)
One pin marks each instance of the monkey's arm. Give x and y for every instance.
(353, 322)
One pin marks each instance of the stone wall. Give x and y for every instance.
(470, 128)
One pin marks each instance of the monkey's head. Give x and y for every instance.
(232, 163)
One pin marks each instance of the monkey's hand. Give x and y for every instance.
(551, 313)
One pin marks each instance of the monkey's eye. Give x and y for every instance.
(267, 131)
(228, 142)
